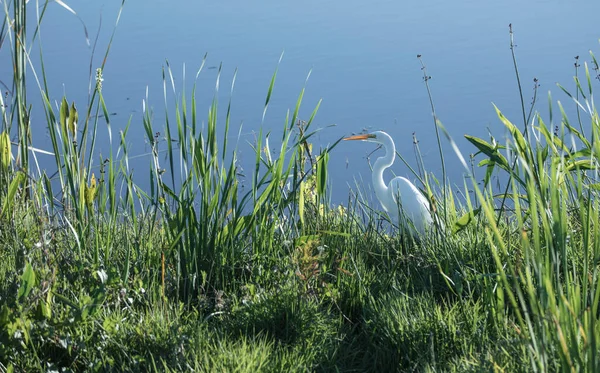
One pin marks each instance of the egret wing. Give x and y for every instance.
(412, 205)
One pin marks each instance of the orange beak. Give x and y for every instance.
(359, 137)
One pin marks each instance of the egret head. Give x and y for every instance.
(377, 137)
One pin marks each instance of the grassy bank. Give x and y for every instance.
(195, 273)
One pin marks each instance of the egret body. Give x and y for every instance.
(400, 198)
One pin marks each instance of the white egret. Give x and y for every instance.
(400, 196)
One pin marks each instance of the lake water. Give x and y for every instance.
(362, 56)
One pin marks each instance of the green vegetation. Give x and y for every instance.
(196, 273)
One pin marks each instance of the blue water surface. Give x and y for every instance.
(361, 56)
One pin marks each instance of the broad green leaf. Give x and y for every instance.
(12, 191)
(582, 164)
(301, 202)
(488, 149)
(61, 298)
(483, 146)
(322, 173)
(303, 240)
(91, 191)
(110, 325)
(98, 297)
(516, 134)
(27, 282)
(5, 151)
(545, 152)
(85, 302)
(573, 130)
(464, 220)
(4, 315)
(551, 138)
(64, 114)
(45, 307)
(72, 121)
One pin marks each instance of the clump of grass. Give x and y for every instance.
(543, 259)
(417, 332)
(289, 322)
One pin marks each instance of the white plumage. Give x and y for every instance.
(400, 198)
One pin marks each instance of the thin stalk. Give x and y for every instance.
(514, 59)
(426, 79)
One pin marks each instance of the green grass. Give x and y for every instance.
(196, 273)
